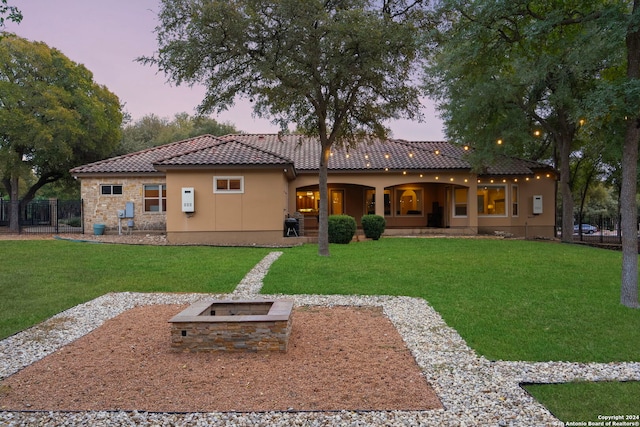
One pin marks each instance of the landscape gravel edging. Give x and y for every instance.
(451, 367)
(473, 390)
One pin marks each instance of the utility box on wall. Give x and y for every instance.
(537, 205)
(188, 205)
(128, 210)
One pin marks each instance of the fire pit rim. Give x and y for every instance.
(280, 311)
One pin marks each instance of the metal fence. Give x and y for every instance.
(45, 216)
(598, 229)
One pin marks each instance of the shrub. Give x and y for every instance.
(342, 228)
(73, 222)
(373, 226)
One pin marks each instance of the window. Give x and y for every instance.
(111, 189)
(460, 201)
(387, 202)
(514, 200)
(228, 184)
(155, 198)
(491, 200)
(337, 202)
(307, 202)
(370, 202)
(409, 201)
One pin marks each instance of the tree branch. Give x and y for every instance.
(45, 179)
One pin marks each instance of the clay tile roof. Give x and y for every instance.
(142, 161)
(371, 155)
(304, 153)
(225, 152)
(504, 165)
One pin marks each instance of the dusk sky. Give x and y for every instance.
(107, 36)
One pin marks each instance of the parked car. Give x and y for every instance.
(586, 228)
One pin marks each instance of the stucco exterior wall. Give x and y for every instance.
(103, 209)
(255, 216)
(439, 187)
(526, 223)
(434, 186)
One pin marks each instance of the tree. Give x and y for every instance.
(337, 69)
(53, 116)
(185, 126)
(592, 165)
(141, 134)
(615, 105)
(516, 72)
(10, 13)
(628, 206)
(586, 170)
(507, 67)
(151, 131)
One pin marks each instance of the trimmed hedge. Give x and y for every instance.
(342, 228)
(373, 226)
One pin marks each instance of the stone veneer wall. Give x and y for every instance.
(231, 336)
(103, 209)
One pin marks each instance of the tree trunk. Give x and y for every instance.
(583, 199)
(629, 286)
(565, 188)
(14, 204)
(323, 213)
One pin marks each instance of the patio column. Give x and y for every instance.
(380, 200)
(472, 208)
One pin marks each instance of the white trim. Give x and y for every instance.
(111, 186)
(159, 199)
(228, 178)
(507, 202)
(515, 202)
(466, 202)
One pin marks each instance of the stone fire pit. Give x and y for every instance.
(233, 325)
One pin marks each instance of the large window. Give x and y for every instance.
(491, 200)
(307, 202)
(228, 184)
(155, 198)
(460, 201)
(409, 201)
(111, 189)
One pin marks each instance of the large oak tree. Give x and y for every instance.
(53, 116)
(337, 69)
(504, 70)
(516, 72)
(629, 87)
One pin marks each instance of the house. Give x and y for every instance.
(239, 189)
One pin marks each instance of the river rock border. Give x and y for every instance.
(474, 391)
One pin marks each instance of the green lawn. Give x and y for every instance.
(584, 402)
(509, 299)
(41, 278)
